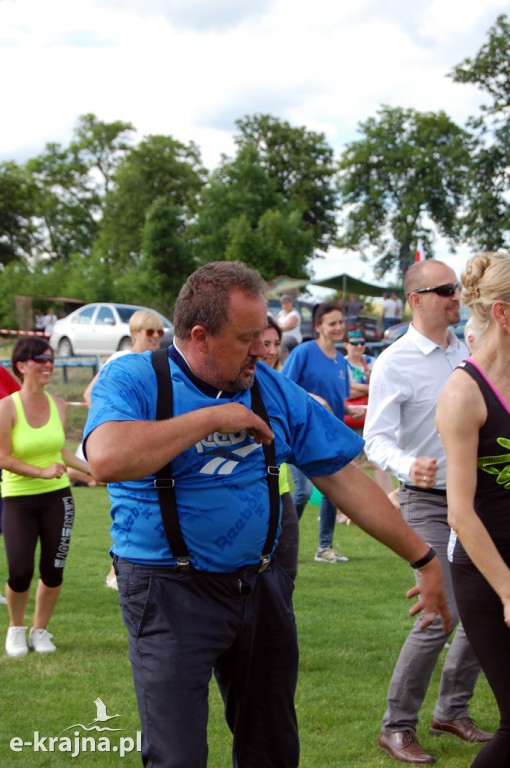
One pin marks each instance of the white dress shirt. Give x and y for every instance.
(405, 384)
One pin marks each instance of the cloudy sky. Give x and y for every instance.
(190, 68)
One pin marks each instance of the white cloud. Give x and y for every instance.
(190, 68)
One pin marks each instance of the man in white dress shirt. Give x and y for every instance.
(401, 438)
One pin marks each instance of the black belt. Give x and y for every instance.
(435, 491)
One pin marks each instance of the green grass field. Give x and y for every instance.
(352, 619)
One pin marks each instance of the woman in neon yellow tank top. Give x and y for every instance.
(38, 505)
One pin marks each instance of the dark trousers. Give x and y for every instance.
(288, 543)
(481, 614)
(184, 625)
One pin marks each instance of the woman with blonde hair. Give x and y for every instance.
(473, 419)
(146, 329)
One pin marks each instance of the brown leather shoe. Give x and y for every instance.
(404, 746)
(464, 728)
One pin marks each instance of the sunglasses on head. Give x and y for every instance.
(448, 289)
(150, 332)
(40, 359)
(357, 343)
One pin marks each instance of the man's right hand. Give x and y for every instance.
(234, 417)
(432, 600)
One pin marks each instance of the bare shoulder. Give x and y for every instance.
(461, 401)
(7, 410)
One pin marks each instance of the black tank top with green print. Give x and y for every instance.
(492, 497)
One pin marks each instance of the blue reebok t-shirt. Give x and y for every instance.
(220, 482)
(315, 372)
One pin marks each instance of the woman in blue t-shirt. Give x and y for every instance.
(321, 369)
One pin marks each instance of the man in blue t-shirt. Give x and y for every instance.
(221, 608)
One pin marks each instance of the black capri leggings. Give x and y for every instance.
(481, 614)
(47, 517)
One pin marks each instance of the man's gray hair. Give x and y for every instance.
(204, 299)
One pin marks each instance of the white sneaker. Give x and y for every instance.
(40, 641)
(3, 600)
(16, 642)
(330, 555)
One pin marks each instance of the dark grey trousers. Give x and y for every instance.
(427, 515)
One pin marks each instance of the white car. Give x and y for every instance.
(98, 329)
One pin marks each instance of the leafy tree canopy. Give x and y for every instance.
(408, 168)
(159, 168)
(71, 183)
(18, 236)
(272, 205)
(487, 219)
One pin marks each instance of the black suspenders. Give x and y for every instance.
(165, 484)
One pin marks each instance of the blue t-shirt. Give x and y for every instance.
(220, 482)
(308, 366)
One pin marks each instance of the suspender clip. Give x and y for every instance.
(265, 562)
(164, 482)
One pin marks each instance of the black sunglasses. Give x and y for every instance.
(42, 359)
(357, 343)
(448, 289)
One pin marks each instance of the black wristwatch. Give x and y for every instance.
(425, 559)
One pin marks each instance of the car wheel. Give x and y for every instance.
(124, 344)
(65, 348)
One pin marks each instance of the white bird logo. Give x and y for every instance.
(101, 714)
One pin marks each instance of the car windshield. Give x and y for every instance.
(125, 312)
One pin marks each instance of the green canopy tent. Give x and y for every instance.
(348, 284)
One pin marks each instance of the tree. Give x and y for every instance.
(274, 203)
(487, 221)
(71, 183)
(17, 207)
(407, 170)
(166, 251)
(158, 169)
(301, 164)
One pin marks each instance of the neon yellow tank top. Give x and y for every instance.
(283, 479)
(40, 446)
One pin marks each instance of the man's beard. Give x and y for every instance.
(242, 383)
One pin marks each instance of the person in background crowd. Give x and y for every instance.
(49, 321)
(225, 605)
(399, 307)
(320, 369)
(146, 331)
(39, 322)
(401, 437)
(359, 366)
(471, 334)
(288, 544)
(473, 419)
(289, 321)
(353, 307)
(38, 504)
(389, 311)
(8, 385)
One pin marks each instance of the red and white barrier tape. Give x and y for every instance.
(8, 331)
